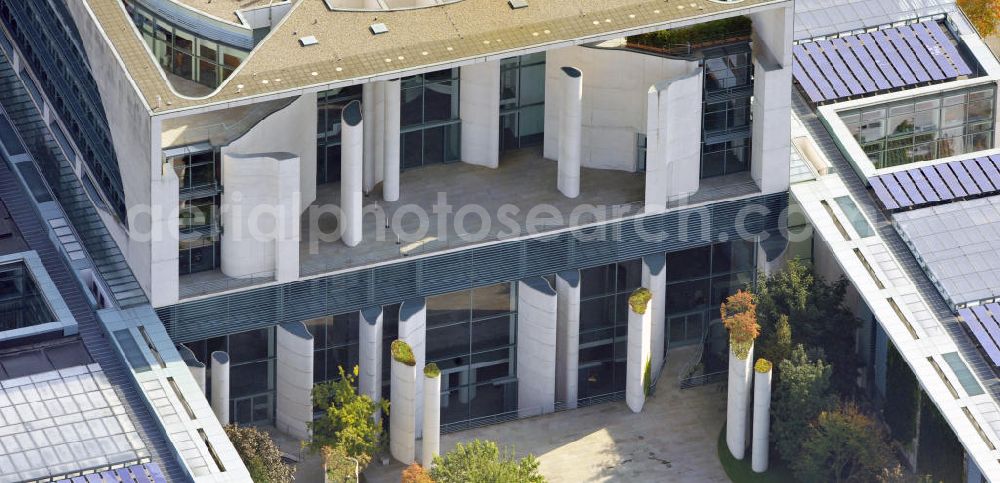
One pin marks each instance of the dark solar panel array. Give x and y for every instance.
(146, 473)
(877, 61)
(939, 183)
(984, 323)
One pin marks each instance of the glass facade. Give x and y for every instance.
(726, 119)
(472, 337)
(604, 293)
(21, 303)
(198, 216)
(698, 281)
(251, 373)
(522, 101)
(924, 128)
(429, 119)
(183, 53)
(336, 341)
(331, 104)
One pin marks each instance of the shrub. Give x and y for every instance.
(484, 461)
(348, 421)
(416, 474)
(432, 370)
(340, 468)
(843, 445)
(802, 393)
(639, 300)
(984, 14)
(739, 315)
(762, 365)
(696, 34)
(259, 453)
(402, 352)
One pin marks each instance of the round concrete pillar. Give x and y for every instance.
(220, 386)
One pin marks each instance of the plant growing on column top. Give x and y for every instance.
(639, 300)
(402, 352)
(739, 315)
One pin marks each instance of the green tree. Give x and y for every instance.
(484, 462)
(817, 316)
(844, 445)
(777, 345)
(984, 14)
(259, 453)
(802, 394)
(349, 420)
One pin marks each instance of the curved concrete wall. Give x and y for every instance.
(403, 413)
(536, 346)
(654, 277)
(738, 402)
(220, 386)
(370, 353)
(614, 101)
(352, 144)
(761, 421)
(480, 113)
(567, 337)
(293, 390)
(431, 443)
(413, 331)
(639, 328)
(673, 139)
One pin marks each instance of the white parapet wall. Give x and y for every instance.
(568, 337)
(352, 144)
(479, 109)
(570, 132)
(536, 346)
(370, 353)
(638, 355)
(654, 277)
(403, 412)
(759, 447)
(614, 101)
(413, 331)
(737, 403)
(431, 442)
(260, 214)
(673, 139)
(220, 386)
(294, 379)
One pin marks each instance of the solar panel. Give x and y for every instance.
(154, 471)
(945, 43)
(963, 177)
(883, 194)
(991, 171)
(935, 180)
(903, 48)
(882, 41)
(139, 472)
(893, 186)
(911, 189)
(124, 475)
(978, 175)
(934, 49)
(810, 67)
(827, 70)
(925, 58)
(827, 49)
(807, 84)
(985, 341)
(925, 188)
(893, 72)
(949, 178)
(869, 63)
(841, 47)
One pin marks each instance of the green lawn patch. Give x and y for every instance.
(739, 470)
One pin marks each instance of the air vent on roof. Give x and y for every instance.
(378, 28)
(516, 4)
(308, 40)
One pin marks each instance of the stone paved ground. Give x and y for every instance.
(673, 439)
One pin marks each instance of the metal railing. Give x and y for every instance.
(703, 379)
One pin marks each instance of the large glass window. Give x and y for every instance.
(251, 373)
(183, 53)
(429, 118)
(604, 293)
(198, 211)
(924, 128)
(21, 303)
(471, 336)
(336, 341)
(726, 118)
(331, 104)
(522, 101)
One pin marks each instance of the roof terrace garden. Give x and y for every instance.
(686, 40)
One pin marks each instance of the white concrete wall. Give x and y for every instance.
(536, 346)
(673, 139)
(772, 40)
(431, 443)
(761, 421)
(638, 352)
(413, 331)
(220, 386)
(370, 353)
(403, 413)
(737, 403)
(260, 216)
(164, 246)
(567, 337)
(480, 113)
(294, 379)
(614, 100)
(654, 278)
(352, 144)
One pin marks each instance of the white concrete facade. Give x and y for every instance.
(403, 414)
(294, 379)
(220, 386)
(479, 110)
(738, 402)
(638, 355)
(536, 346)
(430, 445)
(654, 278)
(673, 139)
(370, 353)
(568, 337)
(413, 331)
(352, 144)
(759, 447)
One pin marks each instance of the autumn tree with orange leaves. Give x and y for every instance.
(984, 14)
(739, 315)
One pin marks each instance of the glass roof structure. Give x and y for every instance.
(815, 18)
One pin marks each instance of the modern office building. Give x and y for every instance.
(292, 185)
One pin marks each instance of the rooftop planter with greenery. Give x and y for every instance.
(431, 370)
(687, 39)
(739, 315)
(639, 300)
(402, 352)
(762, 366)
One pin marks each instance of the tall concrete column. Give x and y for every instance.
(737, 403)
(773, 31)
(567, 336)
(761, 416)
(220, 386)
(403, 414)
(536, 346)
(413, 330)
(379, 131)
(196, 367)
(390, 139)
(371, 125)
(638, 350)
(654, 277)
(431, 444)
(673, 139)
(352, 143)
(370, 353)
(293, 408)
(164, 281)
(479, 109)
(570, 132)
